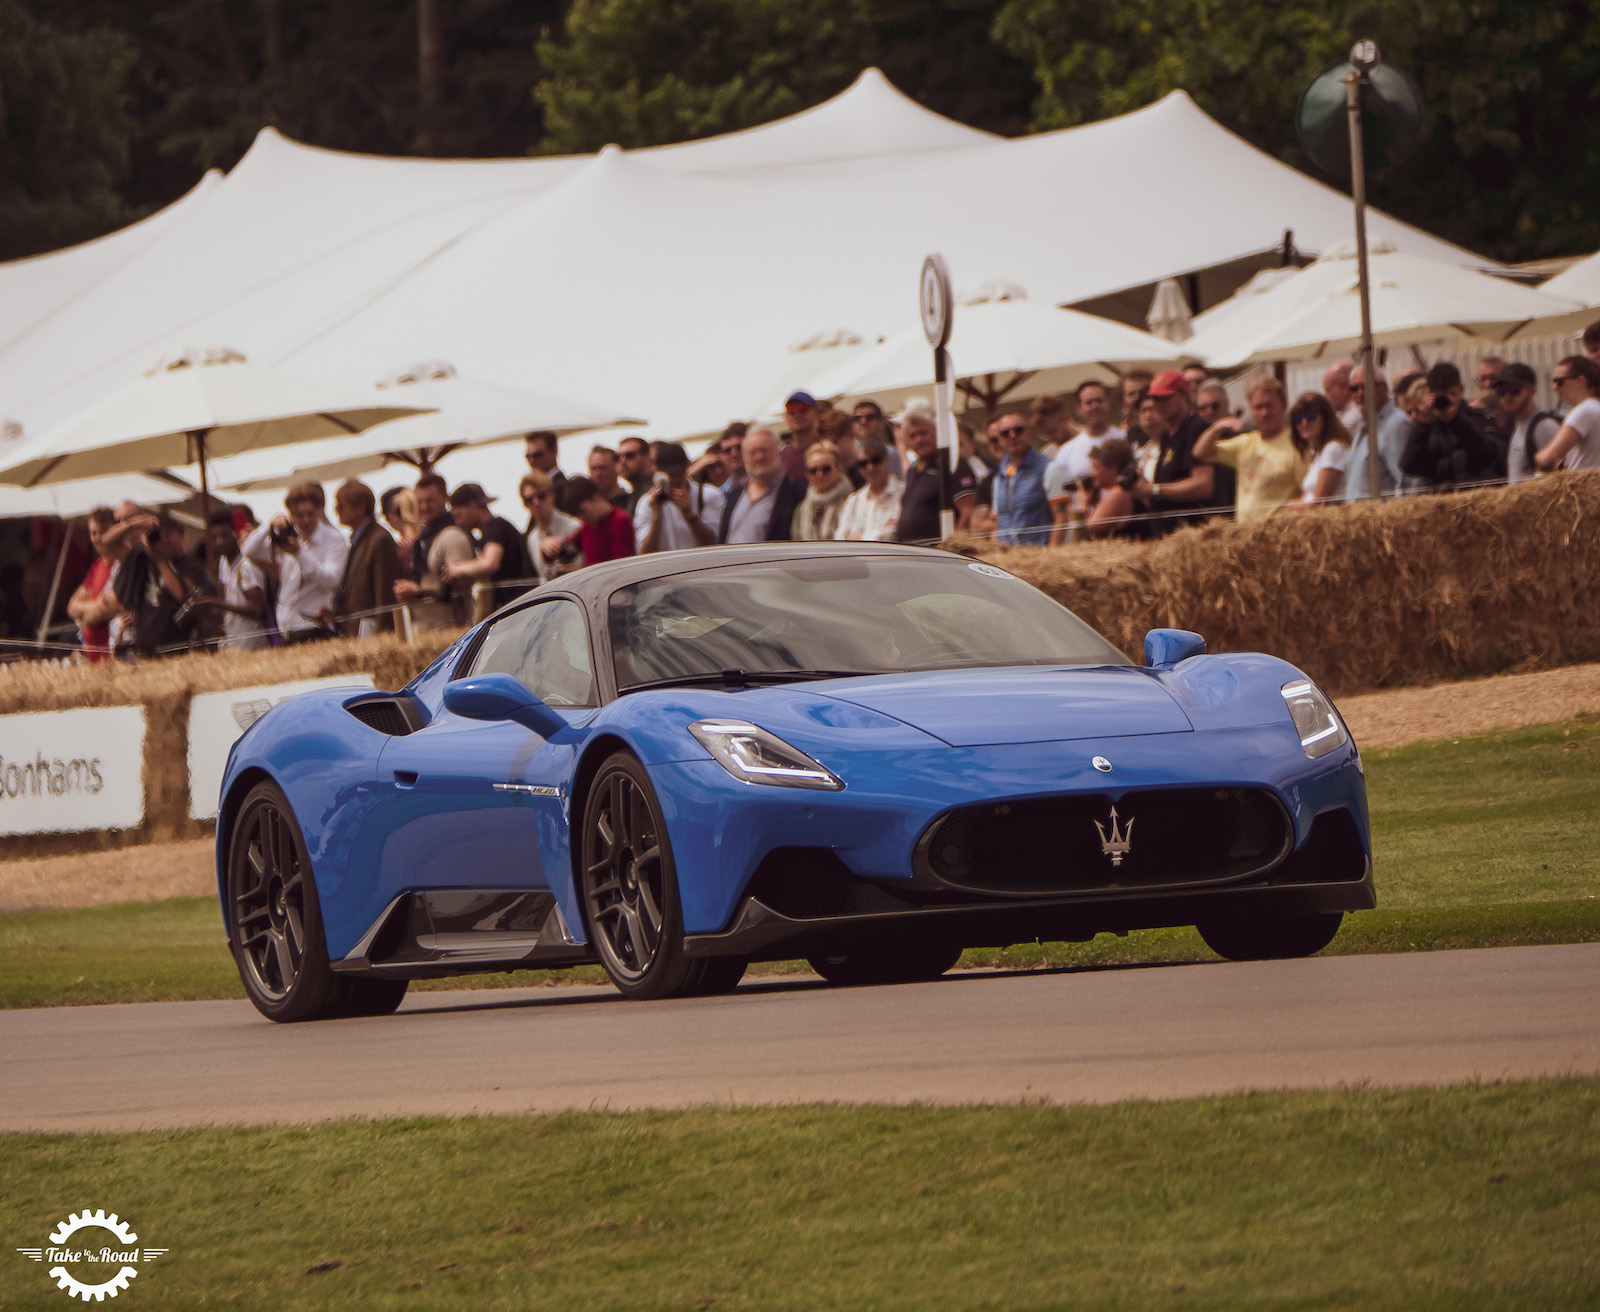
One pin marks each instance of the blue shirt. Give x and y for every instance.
(1393, 429)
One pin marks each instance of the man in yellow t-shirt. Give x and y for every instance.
(1271, 462)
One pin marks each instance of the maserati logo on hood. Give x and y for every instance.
(1119, 843)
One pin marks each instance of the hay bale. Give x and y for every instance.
(1362, 596)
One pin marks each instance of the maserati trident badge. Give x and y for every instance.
(1119, 843)
(1101, 764)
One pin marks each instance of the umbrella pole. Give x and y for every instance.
(55, 584)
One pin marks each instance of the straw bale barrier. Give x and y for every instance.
(164, 689)
(1362, 596)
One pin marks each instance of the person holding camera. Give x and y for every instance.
(547, 526)
(1451, 443)
(675, 514)
(1112, 472)
(158, 585)
(306, 555)
(605, 532)
(1031, 498)
(241, 605)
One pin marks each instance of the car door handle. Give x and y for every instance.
(405, 778)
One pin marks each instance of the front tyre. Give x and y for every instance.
(274, 918)
(1264, 936)
(630, 886)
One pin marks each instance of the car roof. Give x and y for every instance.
(594, 583)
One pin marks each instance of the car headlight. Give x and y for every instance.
(1318, 724)
(754, 756)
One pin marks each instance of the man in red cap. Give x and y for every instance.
(1179, 481)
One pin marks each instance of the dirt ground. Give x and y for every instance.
(1380, 719)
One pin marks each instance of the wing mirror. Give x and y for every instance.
(500, 697)
(1164, 648)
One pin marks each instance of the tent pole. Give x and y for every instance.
(55, 584)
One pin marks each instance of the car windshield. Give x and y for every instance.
(845, 615)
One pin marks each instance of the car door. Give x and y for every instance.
(479, 802)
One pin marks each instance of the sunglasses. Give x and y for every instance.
(1013, 432)
(1556, 381)
(1306, 416)
(1509, 389)
(536, 496)
(822, 469)
(870, 462)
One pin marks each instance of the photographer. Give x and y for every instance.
(1450, 443)
(306, 555)
(157, 584)
(675, 514)
(241, 605)
(1112, 470)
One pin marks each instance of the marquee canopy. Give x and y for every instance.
(642, 280)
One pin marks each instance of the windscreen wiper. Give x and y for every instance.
(748, 678)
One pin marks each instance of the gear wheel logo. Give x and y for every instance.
(83, 1253)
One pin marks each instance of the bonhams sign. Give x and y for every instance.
(67, 771)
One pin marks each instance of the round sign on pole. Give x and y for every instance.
(934, 294)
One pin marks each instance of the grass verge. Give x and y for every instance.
(1487, 842)
(1466, 1197)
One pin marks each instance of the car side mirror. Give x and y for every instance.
(500, 697)
(1164, 648)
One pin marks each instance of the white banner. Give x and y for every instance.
(217, 719)
(67, 771)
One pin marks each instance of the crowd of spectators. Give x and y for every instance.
(1159, 452)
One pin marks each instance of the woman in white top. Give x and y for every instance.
(1577, 446)
(1320, 428)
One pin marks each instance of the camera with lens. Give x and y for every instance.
(1128, 479)
(569, 552)
(1442, 403)
(284, 535)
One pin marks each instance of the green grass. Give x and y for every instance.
(1489, 841)
(1470, 1197)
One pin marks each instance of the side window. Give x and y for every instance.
(546, 648)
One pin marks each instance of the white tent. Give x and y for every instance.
(1002, 350)
(645, 279)
(1316, 312)
(1580, 283)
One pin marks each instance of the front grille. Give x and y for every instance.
(1052, 844)
(385, 716)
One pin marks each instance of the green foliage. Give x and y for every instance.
(647, 72)
(64, 132)
(1512, 87)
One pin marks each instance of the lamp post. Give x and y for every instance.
(1363, 59)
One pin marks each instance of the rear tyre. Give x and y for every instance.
(1266, 936)
(630, 886)
(884, 963)
(274, 917)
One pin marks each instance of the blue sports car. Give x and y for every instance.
(869, 756)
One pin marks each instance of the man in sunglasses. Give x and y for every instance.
(1517, 389)
(1031, 496)
(873, 511)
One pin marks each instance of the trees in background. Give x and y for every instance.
(109, 108)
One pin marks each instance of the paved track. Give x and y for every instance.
(1154, 1032)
